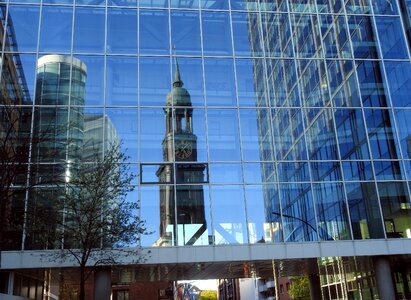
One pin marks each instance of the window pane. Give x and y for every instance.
(155, 82)
(185, 32)
(391, 37)
(364, 210)
(122, 31)
(220, 85)
(154, 33)
(89, 30)
(55, 31)
(223, 138)
(24, 20)
(216, 33)
(228, 214)
(122, 81)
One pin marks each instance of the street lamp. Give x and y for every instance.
(329, 238)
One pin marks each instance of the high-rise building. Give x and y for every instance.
(285, 153)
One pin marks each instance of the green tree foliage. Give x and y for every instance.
(96, 225)
(300, 288)
(208, 295)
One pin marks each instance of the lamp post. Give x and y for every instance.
(297, 218)
(329, 238)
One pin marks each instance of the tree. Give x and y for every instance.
(299, 289)
(94, 219)
(208, 295)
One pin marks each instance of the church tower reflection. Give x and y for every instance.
(181, 210)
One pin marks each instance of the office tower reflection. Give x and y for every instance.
(58, 129)
(185, 208)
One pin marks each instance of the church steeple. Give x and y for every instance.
(178, 96)
(177, 78)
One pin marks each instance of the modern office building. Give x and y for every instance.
(286, 151)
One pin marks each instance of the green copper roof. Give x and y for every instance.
(178, 96)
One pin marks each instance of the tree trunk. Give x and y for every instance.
(82, 294)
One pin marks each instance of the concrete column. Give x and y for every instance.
(315, 286)
(102, 283)
(383, 277)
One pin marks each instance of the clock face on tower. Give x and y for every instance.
(183, 149)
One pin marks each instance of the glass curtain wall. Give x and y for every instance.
(245, 121)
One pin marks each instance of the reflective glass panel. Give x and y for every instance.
(153, 3)
(193, 215)
(155, 82)
(395, 205)
(223, 137)
(256, 138)
(403, 118)
(371, 83)
(362, 37)
(321, 138)
(185, 32)
(357, 6)
(247, 95)
(158, 214)
(381, 134)
(391, 37)
(214, 4)
(297, 213)
(152, 129)
(154, 32)
(399, 80)
(191, 74)
(226, 173)
(364, 210)
(331, 212)
(245, 41)
(94, 80)
(357, 170)
(216, 33)
(384, 7)
(89, 30)
(306, 34)
(122, 31)
(121, 81)
(335, 37)
(228, 211)
(56, 28)
(24, 20)
(220, 85)
(276, 35)
(352, 137)
(261, 227)
(122, 125)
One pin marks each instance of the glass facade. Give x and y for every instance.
(244, 121)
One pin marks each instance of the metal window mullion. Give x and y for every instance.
(367, 137)
(206, 123)
(28, 177)
(335, 128)
(305, 130)
(238, 122)
(271, 122)
(173, 161)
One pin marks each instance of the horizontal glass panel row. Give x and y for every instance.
(154, 32)
(213, 215)
(337, 6)
(146, 81)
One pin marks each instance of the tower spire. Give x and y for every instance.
(177, 78)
